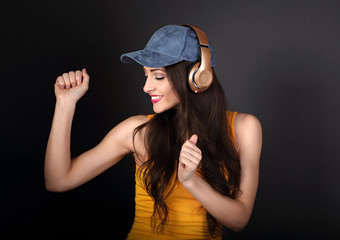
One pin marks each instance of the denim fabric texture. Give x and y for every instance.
(168, 45)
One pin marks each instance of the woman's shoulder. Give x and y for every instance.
(247, 118)
(247, 128)
(137, 119)
(129, 124)
(246, 121)
(122, 133)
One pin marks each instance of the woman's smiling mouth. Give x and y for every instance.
(156, 98)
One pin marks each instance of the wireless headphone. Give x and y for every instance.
(200, 74)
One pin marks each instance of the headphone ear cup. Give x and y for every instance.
(199, 80)
(203, 79)
(191, 77)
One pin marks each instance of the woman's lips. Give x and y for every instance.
(156, 98)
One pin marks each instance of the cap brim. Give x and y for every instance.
(149, 58)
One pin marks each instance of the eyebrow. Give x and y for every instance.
(155, 69)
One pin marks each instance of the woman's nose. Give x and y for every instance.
(148, 86)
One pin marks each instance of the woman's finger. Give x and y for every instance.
(67, 80)
(193, 149)
(79, 76)
(72, 77)
(191, 157)
(186, 163)
(60, 82)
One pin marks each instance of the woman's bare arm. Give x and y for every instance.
(63, 173)
(232, 213)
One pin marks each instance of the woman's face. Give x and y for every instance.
(158, 87)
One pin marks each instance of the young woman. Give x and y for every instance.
(197, 164)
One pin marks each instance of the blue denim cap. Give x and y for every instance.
(168, 45)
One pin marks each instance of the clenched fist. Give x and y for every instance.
(189, 159)
(72, 86)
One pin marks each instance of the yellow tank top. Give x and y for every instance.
(186, 218)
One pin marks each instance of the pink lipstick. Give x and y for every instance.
(156, 98)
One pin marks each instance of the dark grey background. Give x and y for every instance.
(278, 60)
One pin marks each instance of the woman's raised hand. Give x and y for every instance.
(72, 86)
(189, 159)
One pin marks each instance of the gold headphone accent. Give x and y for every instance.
(201, 74)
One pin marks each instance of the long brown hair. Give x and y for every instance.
(203, 114)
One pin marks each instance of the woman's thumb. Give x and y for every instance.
(194, 139)
(86, 77)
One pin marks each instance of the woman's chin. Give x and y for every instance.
(159, 110)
